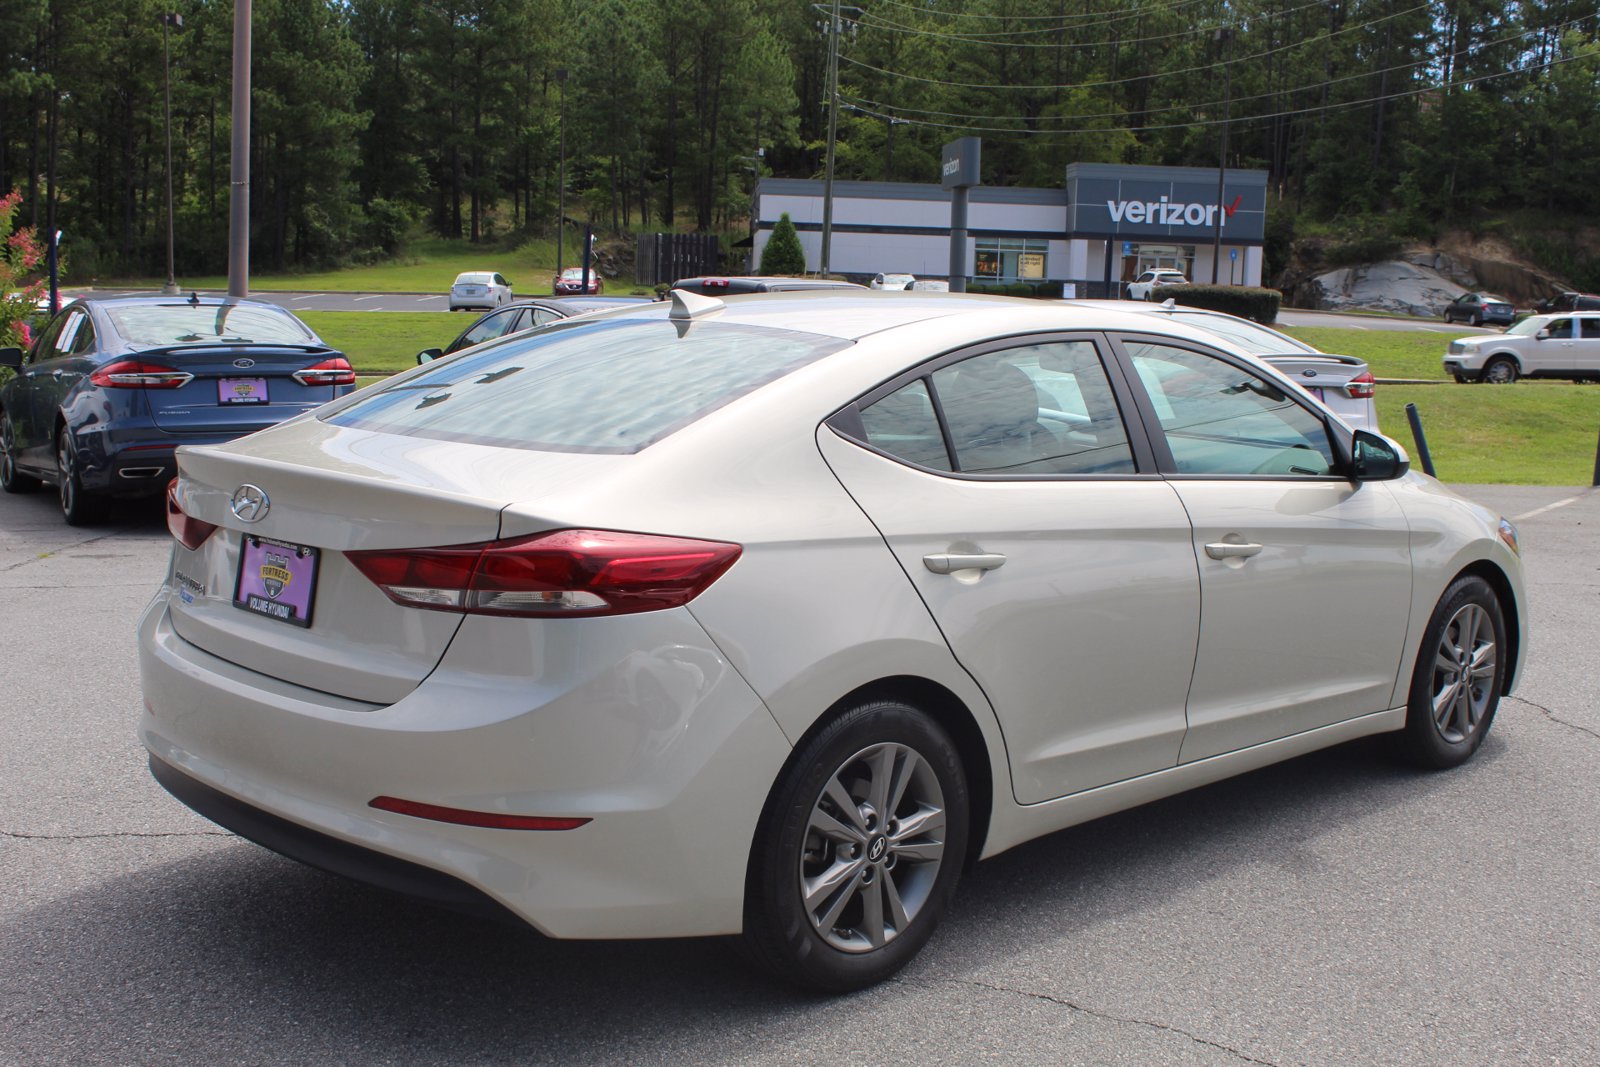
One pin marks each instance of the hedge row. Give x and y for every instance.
(1260, 305)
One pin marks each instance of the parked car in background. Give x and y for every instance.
(1540, 346)
(571, 282)
(770, 616)
(479, 289)
(733, 286)
(1144, 286)
(1344, 383)
(893, 281)
(1480, 309)
(1569, 302)
(112, 386)
(525, 315)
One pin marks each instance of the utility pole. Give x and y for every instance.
(239, 191)
(1222, 37)
(824, 265)
(168, 21)
(561, 177)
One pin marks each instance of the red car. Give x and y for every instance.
(570, 282)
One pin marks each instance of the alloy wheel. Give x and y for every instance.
(873, 847)
(1464, 673)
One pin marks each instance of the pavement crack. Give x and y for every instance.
(1558, 720)
(1179, 1031)
(64, 548)
(23, 836)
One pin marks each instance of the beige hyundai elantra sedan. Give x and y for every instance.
(770, 615)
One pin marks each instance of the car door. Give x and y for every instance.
(1305, 576)
(60, 361)
(1586, 348)
(1056, 563)
(1555, 352)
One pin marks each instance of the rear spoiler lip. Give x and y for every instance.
(196, 347)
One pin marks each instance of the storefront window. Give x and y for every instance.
(1011, 259)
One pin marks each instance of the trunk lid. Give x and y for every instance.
(236, 389)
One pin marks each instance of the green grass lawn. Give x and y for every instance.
(382, 342)
(426, 266)
(1390, 353)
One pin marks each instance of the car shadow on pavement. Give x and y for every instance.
(233, 953)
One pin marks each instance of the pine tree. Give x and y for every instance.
(783, 254)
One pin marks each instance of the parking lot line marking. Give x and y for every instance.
(1547, 507)
(433, 298)
(361, 298)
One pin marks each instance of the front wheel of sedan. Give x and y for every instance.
(1460, 671)
(859, 849)
(11, 479)
(77, 507)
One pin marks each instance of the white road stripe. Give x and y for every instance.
(431, 298)
(1547, 507)
(358, 299)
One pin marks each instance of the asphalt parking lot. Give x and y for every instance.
(1339, 909)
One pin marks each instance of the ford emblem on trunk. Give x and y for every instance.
(250, 503)
(244, 364)
(1309, 373)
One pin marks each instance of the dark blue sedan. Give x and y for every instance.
(112, 386)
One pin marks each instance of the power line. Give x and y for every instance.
(900, 109)
(1289, 113)
(879, 23)
(1129, 13)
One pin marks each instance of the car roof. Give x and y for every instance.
(852, 314)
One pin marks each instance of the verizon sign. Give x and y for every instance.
(1165, 212)
(1129, 203)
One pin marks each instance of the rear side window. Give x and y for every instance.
(180, 324)
(613, 386)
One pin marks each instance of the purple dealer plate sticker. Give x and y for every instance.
(276, 579)
(242, 391)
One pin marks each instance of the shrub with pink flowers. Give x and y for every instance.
(21, 256)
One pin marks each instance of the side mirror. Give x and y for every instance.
(1542, 335)
(428, 355)
(1377, 459)
(11, 357)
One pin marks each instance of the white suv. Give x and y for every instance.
(1145, 284)
(1540, 346)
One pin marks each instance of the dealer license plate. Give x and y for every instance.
(277, 579)
(242, 391)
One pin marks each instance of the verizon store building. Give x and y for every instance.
(1107, 225)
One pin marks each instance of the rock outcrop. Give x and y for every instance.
(1397, 286)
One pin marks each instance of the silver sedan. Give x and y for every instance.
(770, 615)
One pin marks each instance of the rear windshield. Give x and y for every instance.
(610, 386)
(473, 279)
(1257, 340)
(182, 324)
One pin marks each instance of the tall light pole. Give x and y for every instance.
(1222, 37)
(561, 177)
(168, 21)
(833, 132)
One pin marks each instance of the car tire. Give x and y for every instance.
(1477, 320)
(878, 881)
(1460, 672)
(11, 479)
(1461, 379)
(77, 507)
(1501, 370)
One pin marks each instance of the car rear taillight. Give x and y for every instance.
(336, 371)
(1362, 386)
(715, 283)
(494, 820)
(133, 374)
(571, 573)
(190, 531)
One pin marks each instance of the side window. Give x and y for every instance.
(1220, 419)
(542, 316)
(85, 339)
(1560, 328)
(1591, 329)
(66, 340)
(44, 346)
(1036, 409)
(903, 424)
(490, 328)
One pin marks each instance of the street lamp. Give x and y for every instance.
(561, 178)
(168, 21)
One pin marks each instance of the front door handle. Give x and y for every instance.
(1230, 550)
(946, 562)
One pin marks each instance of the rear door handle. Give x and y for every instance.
(1230, 550)
(946, 562)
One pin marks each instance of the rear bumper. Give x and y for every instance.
(663, 746)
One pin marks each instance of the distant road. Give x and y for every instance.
(439, 302)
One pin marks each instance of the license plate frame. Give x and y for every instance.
(268, 569)
(242, 391)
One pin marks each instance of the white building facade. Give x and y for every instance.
(1102, 229)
